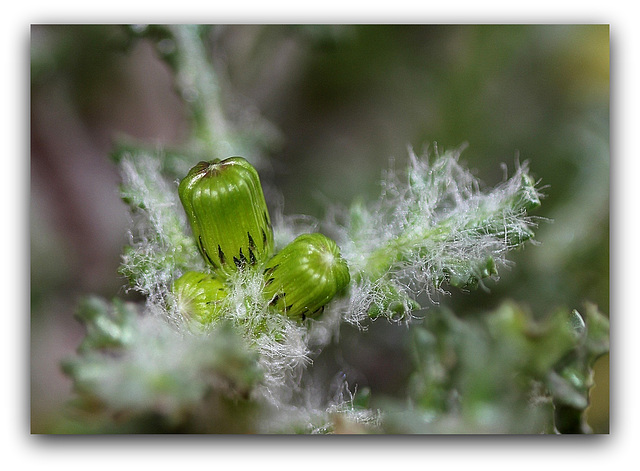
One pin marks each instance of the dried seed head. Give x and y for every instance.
(228, 214)
(199, 296)
(304, 276)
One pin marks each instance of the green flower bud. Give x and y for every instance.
(304, 276)
(199, 296)
(228, 214)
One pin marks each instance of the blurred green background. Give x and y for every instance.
(345, 99)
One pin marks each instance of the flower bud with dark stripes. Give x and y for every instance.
(199, 296)
(305, 275)
(228, 214)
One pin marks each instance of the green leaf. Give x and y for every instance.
(131, 365)
(108, 326)
(504, 371)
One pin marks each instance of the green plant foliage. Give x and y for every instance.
(158, 242)
(131, 369)
(435, 227)
(502, 372)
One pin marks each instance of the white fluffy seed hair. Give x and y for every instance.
(435, 191)
(160, 247)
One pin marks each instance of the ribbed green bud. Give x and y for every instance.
(228, 214)
(304, 276)
(199, 296)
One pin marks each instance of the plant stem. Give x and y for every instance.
(199, 87)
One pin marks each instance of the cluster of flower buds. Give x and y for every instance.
(228, 215)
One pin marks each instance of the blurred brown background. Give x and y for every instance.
(345, 99)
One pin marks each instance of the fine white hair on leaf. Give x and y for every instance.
(159, 246)
(432, 225)
(280, 341)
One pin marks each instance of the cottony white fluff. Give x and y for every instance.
(159, 247)
(433, 221)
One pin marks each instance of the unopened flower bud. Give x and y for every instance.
(199, 296)
(304, 276)
(228, 214)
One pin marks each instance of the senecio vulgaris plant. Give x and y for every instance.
(230, 221)
(238, 304)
